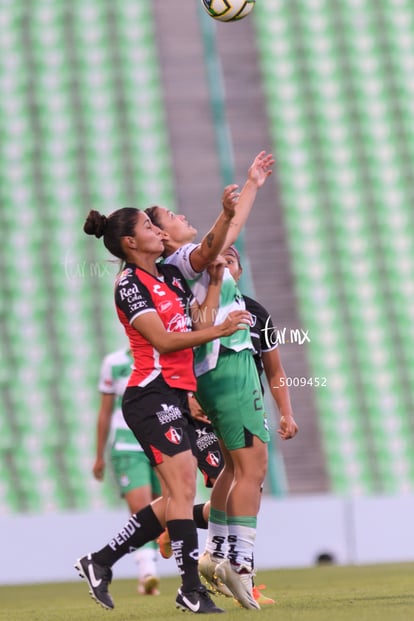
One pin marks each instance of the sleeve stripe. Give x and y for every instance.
(141, 312)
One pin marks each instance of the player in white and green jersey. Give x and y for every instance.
(228, 389)
(136, 479)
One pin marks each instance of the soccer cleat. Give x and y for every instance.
(239, 580)
(197, 601)
(261, 597)
(164, 543)
(148, 585)
(98, 578)
(207, 568)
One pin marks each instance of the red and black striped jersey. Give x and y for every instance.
(137, 292)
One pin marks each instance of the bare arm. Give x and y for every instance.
(258, 172)
(212, 243)
(204, 315)
(102, 432)
(274, 370)
(152, 329)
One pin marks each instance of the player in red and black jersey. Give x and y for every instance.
(163, 323)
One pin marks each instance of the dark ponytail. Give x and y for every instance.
(95, 224)
(121, 223)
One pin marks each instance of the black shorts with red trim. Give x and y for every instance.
(158, 416)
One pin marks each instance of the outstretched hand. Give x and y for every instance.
(261, 168)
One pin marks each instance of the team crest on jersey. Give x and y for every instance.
(213, 459)
(176, 282)
(253, 320)
(174, 435)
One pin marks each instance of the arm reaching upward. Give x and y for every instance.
(259, 171)
(212, 243)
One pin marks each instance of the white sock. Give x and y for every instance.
(146, 560)
(241, 541)
(216, 543)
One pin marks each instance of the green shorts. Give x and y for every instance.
(132, 469)
(231, 396)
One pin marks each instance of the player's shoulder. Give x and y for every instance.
(182, 254)
(125, 276)
(253, 306)
(169, 269)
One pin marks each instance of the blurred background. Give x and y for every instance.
(134, 103)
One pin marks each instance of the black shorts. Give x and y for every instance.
(158, 416)
(209, 458)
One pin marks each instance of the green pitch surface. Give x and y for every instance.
(370, 593)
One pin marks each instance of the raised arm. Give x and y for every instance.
(258, 172)
(213, 241)
(274, 371)
(204, 315)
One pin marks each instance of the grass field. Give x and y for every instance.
(369, 593)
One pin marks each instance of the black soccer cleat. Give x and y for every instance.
(197, 601)
(98, 578)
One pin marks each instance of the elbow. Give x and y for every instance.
(164, 348)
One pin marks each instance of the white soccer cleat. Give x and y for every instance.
(240, 583)
(207, 568)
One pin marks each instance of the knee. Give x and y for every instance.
(185, 487)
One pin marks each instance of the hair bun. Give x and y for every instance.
(95, 223)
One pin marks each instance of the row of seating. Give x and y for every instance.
(337, 78)
(82, 127)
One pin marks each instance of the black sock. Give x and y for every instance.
(198, 516)
(184, 543)
(140, 528)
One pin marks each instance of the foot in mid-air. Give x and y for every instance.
(164, 543)
(98, 578)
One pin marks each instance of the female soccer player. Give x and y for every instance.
(229, 391)
(137, 481)
(157, 310)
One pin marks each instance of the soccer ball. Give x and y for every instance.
(228, 10)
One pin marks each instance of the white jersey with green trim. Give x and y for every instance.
(231, 299)
(115, 371)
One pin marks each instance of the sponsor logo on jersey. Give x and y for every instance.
(158, 290)
(179, 323)
(213, 459)
(123, 277)
(132, 294)
(174, 435)
(165, 306)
